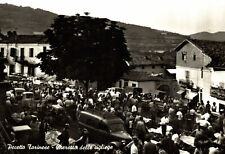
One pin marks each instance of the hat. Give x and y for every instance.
(135, 137)
(192, 112)
(67, 125)
(85, 131)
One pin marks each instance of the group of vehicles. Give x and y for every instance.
(24, 98)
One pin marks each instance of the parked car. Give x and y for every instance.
(19, 93)
(103, 127)
(28, 100)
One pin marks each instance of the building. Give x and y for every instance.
(152, 64)
(200, 70)
(21, 52)
(149, 74)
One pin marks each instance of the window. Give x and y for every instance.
(125, 83)
(22, 52)
(102, 126)
(184, 56)
(202, 72)
(13, 52)
(22, 69)
(187, 75)
(31, 71)
(2, 52)
(120, 83)
(116, 127)
(143, 67)
(92, 123)
(133, 85)
(153, 66)
(11, 69)
(194, 57)
(44, 49)
(31, 52)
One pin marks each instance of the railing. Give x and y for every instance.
(217, 93)
(186, 84)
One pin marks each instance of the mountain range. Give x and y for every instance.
(26, 20)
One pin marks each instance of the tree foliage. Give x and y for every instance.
(85, 48)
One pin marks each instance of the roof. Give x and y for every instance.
(140, 76)
(146, 60)
(214, 49)
(40, 39)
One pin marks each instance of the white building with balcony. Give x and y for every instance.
(21, 52)
(200, 70)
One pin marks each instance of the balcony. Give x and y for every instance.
(188, 84)
(218, 93)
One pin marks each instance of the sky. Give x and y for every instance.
(180, 16)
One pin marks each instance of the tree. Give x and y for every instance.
(87, 49)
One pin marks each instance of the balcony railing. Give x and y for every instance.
(217, 93)
(186, 84)
(189, 85)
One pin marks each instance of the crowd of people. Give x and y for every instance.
(156, 125)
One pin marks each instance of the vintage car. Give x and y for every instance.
(28, 100)
(19, 93)
(103, 127)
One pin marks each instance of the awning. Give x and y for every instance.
(180, 92)
(171, 71)
(190, 95)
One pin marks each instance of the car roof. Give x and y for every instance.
(19, 89)
(104, 116)
(27, 92)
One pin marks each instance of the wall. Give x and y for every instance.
(201, 76)
(191, 50)
(150, 69)
(148, 86)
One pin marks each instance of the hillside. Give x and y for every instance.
(26, 20)
(218, 36)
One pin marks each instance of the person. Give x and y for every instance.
(149, 147)
(214, 107)
(34, 124)
(134, 147)
(134, 109)
(141, 129)
(221, 138)
(163, 123)
(84, 139)
(204, 124)
(180, 118)
(169, 145)
(208, 107)
(64, 136)
(201, 141)
(42, 130)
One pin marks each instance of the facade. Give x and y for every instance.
(153, 65)
(200, 70)
(21, 52)
(149, 74)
